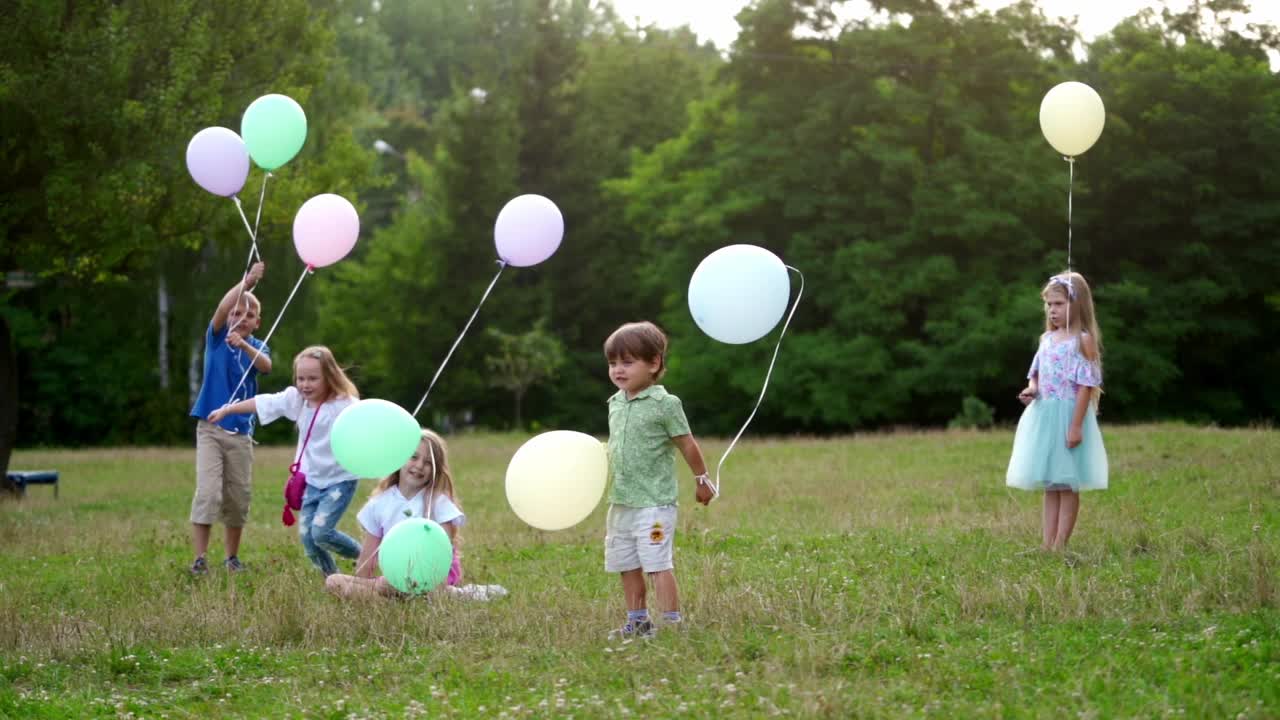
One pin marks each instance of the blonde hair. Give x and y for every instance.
(441, 481)
(639, 340)
(335, 378)
(249, 300)
(1081, 318)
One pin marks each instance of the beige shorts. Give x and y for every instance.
(641, 538)
(224, 476)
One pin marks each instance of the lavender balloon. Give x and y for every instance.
(528, 230)
(325, 229)
(218, 161)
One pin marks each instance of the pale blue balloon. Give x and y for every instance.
(739, 293)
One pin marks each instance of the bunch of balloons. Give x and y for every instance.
(272, 131)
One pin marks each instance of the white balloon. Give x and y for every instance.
(739, 293)
(557, 478)
(1071, 117)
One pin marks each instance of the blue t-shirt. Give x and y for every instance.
(223, 367)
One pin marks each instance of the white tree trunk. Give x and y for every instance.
(195, 368)
(162, 302)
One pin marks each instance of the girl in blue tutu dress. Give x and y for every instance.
(1058, 447)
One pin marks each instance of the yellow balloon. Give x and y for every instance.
(1071, 117)
(557, 478)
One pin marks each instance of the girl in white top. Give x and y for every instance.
(423, 488)
(320, 392)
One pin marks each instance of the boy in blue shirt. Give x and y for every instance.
(224, 451)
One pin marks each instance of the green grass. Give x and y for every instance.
(869, 576)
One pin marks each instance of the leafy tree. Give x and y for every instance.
(97, 102)
(575, 95)
(522, 360)
(1182, 184)
(901, 170)
(896, 160)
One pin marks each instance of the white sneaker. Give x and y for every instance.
(479, 593)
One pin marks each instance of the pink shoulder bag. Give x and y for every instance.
(296, 487)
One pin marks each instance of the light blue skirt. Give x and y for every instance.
(1041, 460)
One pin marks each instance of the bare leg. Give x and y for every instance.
(350, 586)
(233, 540)
(1068, 510)
(664, 586)
(1051, 503)
(633, 588)
(199, 539)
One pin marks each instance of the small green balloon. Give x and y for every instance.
(374, 438)
(415, 556)
(274, 128)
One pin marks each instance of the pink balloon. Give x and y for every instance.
(218, 161)
(528, 230)
(325, 229)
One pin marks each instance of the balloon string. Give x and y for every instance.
(715, 487)
(253, 234)
(253, 249)
(363, 565)
(261, 198)
(257, 351)
(245, 275)
(1071, 181)
(502, 265)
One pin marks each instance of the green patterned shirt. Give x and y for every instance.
(642, 458)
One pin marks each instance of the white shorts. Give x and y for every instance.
(640, 538)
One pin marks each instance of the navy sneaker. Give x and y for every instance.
(643, 629)
(200, 566)
(233, 564)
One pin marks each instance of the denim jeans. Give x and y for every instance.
(318, 525)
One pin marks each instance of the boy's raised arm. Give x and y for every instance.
(228, 301)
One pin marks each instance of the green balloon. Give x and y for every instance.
(374, 438)
(415, 556)
(274, 128)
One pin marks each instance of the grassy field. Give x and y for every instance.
(868, 576)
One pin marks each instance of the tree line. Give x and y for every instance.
(896, 160)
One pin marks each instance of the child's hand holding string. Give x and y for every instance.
(255, 275)
(1028, 394)
(706, 492)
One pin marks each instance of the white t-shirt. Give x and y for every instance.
(383, 511)
(318, 463)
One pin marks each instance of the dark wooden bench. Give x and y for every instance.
(23, 478)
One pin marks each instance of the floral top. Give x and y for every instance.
(642, 458)
(1062, 368)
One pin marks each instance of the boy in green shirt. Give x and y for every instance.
(646, 426)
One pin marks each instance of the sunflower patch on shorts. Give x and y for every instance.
(656, 535)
